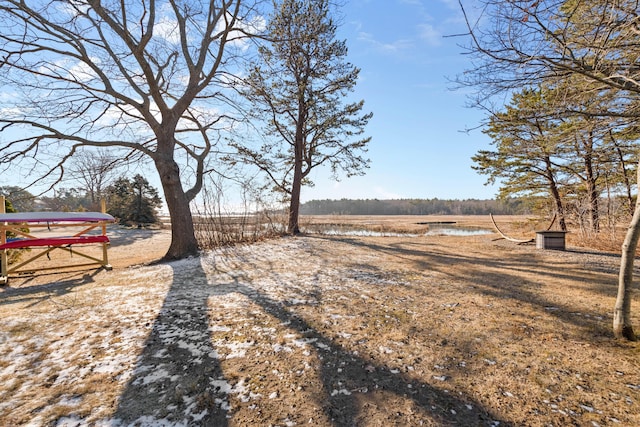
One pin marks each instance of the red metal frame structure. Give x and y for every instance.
(78, 223)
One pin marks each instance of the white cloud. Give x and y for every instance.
(72, 8)
(167, 29)
(120, 118)
(392, 47)
(429, 34)
(82, 72)
(238, 38)
(78, 71)
(11, 113)
(385, 194)
(203, 114)
(7, 94)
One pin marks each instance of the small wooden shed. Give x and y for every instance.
(551, 240)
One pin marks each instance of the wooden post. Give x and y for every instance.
(105, 259)
(3, 253)
(103, 209)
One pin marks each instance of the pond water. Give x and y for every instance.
(364, 233)
(454, 230)
(439, 229)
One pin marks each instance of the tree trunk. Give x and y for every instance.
(559, 207)
(592, 188)
(627, 184)
(555, 194)
(594, 203)
(561, 219)
(298, 154)
(622, 327)
(183, 239)
(294, 206)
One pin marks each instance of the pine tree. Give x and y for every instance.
(133, 201)
(299, 90)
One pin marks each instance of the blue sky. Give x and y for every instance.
(419, 148)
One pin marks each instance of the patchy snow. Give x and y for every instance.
(100, 331)
(245, 331)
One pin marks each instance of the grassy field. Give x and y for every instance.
(324, 329)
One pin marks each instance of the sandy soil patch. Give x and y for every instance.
(321, 330)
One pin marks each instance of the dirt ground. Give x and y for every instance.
(323, 329)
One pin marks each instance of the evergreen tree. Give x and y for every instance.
(133, 201)
(145, 201)
(67, 200)
(20, 199)
(12, 254)
(298, 90)
(527, 150)
(522, 43)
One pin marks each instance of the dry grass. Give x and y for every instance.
(326, 330)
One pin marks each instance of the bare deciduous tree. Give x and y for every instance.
(143, 76)
(94, 170)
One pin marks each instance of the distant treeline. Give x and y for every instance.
(415, 207)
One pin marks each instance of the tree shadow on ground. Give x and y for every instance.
(368, 383)
(173, 375)
(178, 374)
(37, 292)
(506, 278)
(121, 236)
